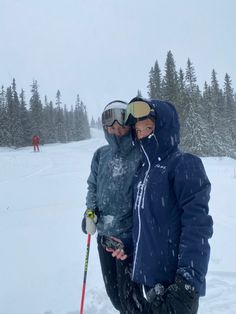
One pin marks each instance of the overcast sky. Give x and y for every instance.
(104, 49)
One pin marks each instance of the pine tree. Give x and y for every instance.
(92, 123)
(78, 117)
(36, 111)
(13, 107)
(154, 85)
(48, 126)
(229, 114)
(219, 147)
(68, 126)
(207, 115)
(182, 105)
(71, 122)
(139, 93)
(5, 136)
(60, 123)
(99, 123)
(82, 129)
(170, 80)
(194, 134)
(85, 126)
(25, 120)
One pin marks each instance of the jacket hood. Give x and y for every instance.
(166, 134)
(119, 144)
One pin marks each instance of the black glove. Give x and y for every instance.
(89, 222)
(178, 298)
(155, 295)
(181, 297)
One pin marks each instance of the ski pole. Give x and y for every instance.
(85, 274)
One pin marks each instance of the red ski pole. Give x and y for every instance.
(85, 274)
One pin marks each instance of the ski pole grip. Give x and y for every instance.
(90, 213)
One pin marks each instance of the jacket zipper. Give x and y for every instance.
(139, 203)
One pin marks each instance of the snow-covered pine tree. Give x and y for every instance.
(182, 104)
(170, 80)
(219, 147)
(206, 103)
(81, 121)
(36, 111)
(59, 121)
(48, 127)
(98, 123)
(5, 136)
(70, 125)
(25, 120)
(92, 123)
(229, 115)
(13, 107)
(67, 124)
(85, 127)
(139, 93)
(194, 134)
(78, 117)
(154, 84)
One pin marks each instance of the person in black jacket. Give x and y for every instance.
(171, 224)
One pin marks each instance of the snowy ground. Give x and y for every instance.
(42, 199)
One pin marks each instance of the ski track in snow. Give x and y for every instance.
(43, 248)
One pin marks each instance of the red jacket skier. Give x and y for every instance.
(35, 142)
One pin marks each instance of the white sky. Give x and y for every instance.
(104, 49)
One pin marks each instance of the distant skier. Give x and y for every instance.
(35, 142)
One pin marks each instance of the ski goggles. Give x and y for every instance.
(138, 109)
(110, 116)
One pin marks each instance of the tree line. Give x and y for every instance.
(54, 123)
(207, 118)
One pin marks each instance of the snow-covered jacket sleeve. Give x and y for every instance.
(192, 189)
(91, 198)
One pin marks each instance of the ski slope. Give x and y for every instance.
(42, 247)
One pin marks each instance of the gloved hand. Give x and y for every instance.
(89, 222)
(155, 295)
(180, 298)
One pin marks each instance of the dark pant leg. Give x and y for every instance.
(131, 295)
(125, 295)
(109, 273)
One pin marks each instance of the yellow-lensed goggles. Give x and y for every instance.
(138, 109)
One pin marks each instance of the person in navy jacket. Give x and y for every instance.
(171, 224)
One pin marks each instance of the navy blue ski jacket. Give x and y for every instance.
(171, 221)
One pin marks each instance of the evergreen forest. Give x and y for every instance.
(53, 123)
(207, 117)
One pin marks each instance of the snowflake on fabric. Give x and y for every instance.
(118, 168)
